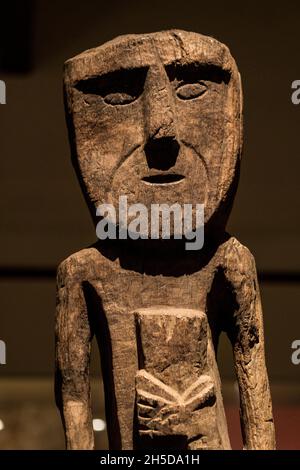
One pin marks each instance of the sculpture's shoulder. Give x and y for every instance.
(79, 267)
(236, 257)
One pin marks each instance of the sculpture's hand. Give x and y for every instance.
(161, 410)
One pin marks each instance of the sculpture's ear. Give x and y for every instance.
(229, 171)
(241, 99)
(70, 112)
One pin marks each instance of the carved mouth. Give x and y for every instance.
(170, 178)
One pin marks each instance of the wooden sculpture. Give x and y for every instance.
(158, 118)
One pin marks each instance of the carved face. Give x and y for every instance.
(155, 117)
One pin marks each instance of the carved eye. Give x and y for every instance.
(190, 91)
(119, 98)
(116, 88)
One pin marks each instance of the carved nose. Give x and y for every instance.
(162, 153)
(161, 147)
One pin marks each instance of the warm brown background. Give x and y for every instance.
(43, 215)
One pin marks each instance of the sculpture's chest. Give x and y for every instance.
(129, 290)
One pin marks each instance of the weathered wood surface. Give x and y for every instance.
(138, 107)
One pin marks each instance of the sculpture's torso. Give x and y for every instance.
(115, 297)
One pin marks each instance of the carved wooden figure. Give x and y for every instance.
(158, 118)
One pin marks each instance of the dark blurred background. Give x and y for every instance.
(44, 217)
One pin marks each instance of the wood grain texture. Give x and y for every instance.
(145, 108)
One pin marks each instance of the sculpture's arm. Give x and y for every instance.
(73, 344)
(246, 333)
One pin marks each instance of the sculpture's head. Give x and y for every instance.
(157, 117)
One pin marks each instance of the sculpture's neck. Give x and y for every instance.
(161, 256)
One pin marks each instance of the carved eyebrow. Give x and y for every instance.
(129, 81)
(194, 72)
